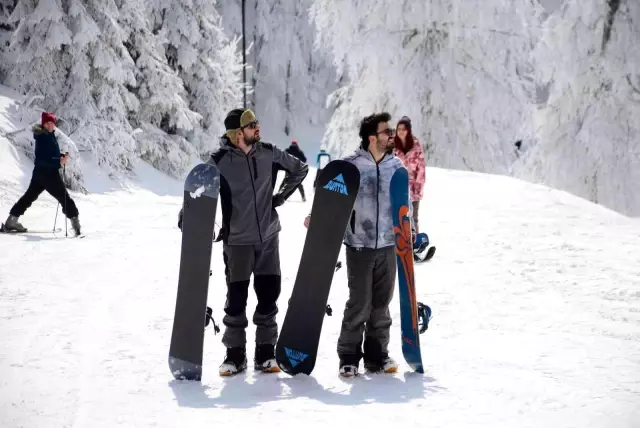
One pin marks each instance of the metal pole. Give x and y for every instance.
(55, 220)
(64, 186)
(244, 59)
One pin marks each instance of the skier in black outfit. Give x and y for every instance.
(46, 176)
(249, 232)
(295, 150)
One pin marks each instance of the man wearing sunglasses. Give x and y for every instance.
(370, 254)
(249, 232)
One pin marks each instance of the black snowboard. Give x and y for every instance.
(335, 195)
(201, 190)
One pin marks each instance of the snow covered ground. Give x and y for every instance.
(535, 293)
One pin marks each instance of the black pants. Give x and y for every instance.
(301, 189)
(51, 181)
(372, 275)
(241, 261)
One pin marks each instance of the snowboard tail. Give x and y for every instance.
(336, 191)
(201, 192)
(409, 322)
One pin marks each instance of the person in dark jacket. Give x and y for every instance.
(249, 232)
(46, 176)
(295, 150)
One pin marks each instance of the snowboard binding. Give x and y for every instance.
(209, 315)
(328, 310)
(424, 316)
(422, 250)
(209, 318)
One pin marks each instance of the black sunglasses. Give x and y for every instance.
(251, 125)
(388, 131)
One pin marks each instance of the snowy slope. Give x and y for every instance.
(535, 294)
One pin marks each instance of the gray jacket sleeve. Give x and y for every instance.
(296, 172)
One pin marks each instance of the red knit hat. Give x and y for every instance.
(48, 117)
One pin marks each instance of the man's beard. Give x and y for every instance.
(386, 147)
(250, 141)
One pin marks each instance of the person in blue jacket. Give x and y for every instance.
(46, 176)
(322, 160)
(370, 253)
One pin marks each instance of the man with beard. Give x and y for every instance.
(370, 254)
(249, 231)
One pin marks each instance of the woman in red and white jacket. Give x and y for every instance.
(409, 150)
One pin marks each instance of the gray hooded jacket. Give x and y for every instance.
(246, 190)
(371, 224)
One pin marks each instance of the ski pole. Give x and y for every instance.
(56, 219)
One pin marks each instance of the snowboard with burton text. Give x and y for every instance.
(335, 195)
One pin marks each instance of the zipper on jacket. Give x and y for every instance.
(377, 202)
(255, 168)
(255, 198)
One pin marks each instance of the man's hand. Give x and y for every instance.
(64, 158)
(277, 200)
(307, 219)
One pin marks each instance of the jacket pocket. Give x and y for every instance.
(352, 222)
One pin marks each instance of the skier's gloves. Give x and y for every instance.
(277, 200)
(180, 220)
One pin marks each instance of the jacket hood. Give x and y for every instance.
(226, 144)
(367, 155)
(39, 129)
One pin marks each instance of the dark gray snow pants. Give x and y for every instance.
(372, 275)
(263, 261)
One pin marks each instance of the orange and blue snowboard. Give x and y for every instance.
(409, 319)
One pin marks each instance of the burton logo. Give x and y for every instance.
(295, 357)
(337, 185)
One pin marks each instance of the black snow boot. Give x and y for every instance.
(265, 359)
(235, 361)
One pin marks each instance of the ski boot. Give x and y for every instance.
(75, 225)
(235, 361)
(12, 225)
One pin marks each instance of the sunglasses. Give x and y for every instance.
(251, 125)
(388, 131)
